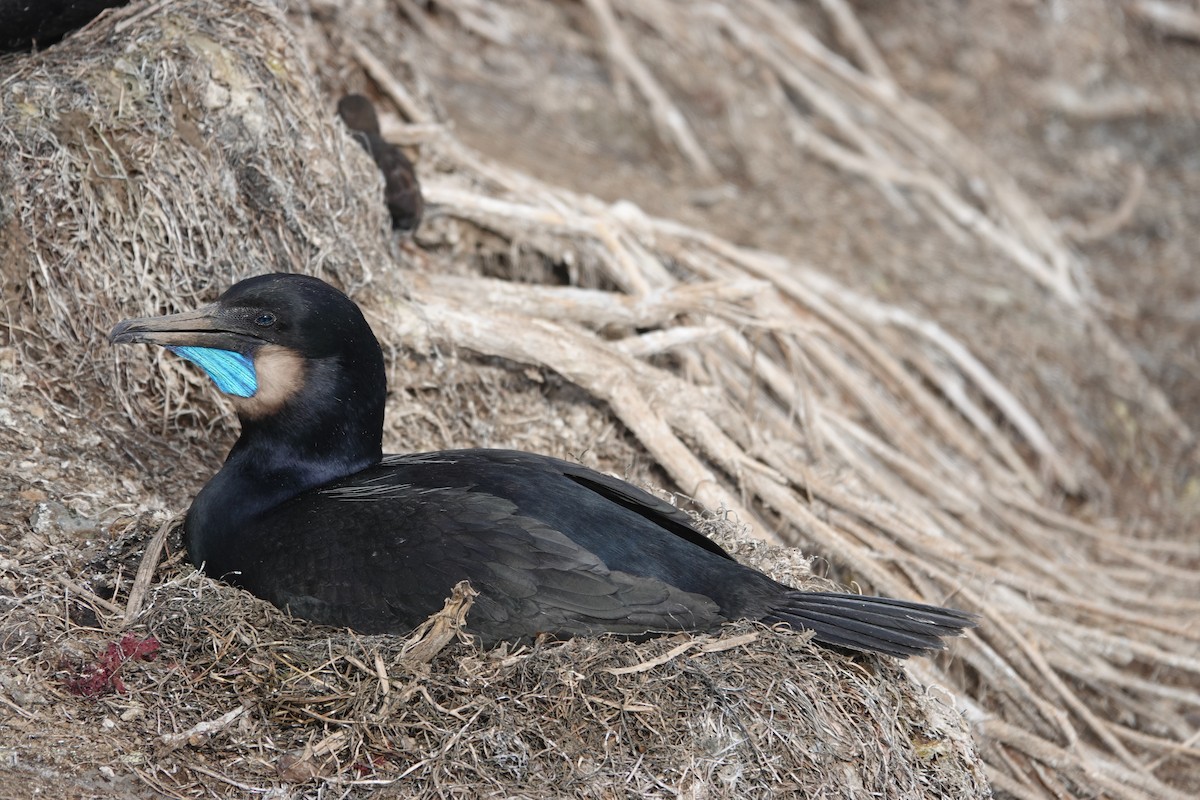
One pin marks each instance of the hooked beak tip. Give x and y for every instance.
(122, 333)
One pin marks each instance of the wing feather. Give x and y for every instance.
(385, 566)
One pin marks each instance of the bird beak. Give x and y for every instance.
(199, 328)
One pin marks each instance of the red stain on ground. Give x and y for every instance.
(102, 675)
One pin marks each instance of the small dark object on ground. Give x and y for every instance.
(401, 190)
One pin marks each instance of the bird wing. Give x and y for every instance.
(642, 502)
(651, 508)
(381, 556)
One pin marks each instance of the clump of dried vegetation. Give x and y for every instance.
(172, 148)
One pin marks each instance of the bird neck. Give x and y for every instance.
(329, 429)
(328, 424)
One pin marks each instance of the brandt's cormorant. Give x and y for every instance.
(309, 514)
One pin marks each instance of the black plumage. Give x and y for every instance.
(28, 24)
(401, 190)
(308, 514)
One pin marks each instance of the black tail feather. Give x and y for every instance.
(872, 624)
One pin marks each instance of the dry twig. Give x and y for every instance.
(671, 123)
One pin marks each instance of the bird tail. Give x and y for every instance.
(872, 624)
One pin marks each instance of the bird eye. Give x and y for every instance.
(266, 319)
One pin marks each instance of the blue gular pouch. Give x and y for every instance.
(233, 373)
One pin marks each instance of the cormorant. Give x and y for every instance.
(401, 191)
(309, 514)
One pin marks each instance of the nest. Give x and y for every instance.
(234, 694)
(172, 148)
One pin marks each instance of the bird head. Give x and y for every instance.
(270, 338)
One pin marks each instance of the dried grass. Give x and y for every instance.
(244, 698)
(759, 385)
